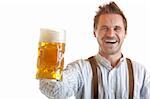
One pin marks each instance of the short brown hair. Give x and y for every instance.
(110, 8)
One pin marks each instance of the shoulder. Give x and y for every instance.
(137, 65)
(138, 68)
(140, 71)
(81, 65)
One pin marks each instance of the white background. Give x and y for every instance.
(20, 23)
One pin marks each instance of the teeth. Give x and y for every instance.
(110, 41)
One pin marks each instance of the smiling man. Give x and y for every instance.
(110, 33)
(107, 75)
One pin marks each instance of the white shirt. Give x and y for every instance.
(77, 80)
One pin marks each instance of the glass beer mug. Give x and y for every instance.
(51, 50)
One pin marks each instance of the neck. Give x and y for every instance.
(113, 58)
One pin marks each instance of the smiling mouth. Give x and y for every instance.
(110, 41)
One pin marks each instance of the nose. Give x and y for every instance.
(110, 32)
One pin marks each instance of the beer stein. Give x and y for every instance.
(51, 50)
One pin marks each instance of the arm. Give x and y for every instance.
(71, 84)
(145, 91)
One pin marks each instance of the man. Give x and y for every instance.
(115, 80)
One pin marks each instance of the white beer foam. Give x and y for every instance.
(49, 35)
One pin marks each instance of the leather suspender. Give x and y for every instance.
(95, 78)
(131, 78)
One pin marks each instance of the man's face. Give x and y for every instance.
(110, 33)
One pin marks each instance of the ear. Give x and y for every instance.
(94, 33)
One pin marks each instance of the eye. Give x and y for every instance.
(104, 28)
(117, 28)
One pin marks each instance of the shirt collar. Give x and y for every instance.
(102, 61)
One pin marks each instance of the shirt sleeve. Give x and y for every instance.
(145, 91)
(72, 82)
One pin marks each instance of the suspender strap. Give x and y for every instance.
(131, 78)
(95, 78)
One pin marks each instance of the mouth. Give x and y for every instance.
(110, 41)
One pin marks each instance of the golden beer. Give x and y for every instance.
(50, 55)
